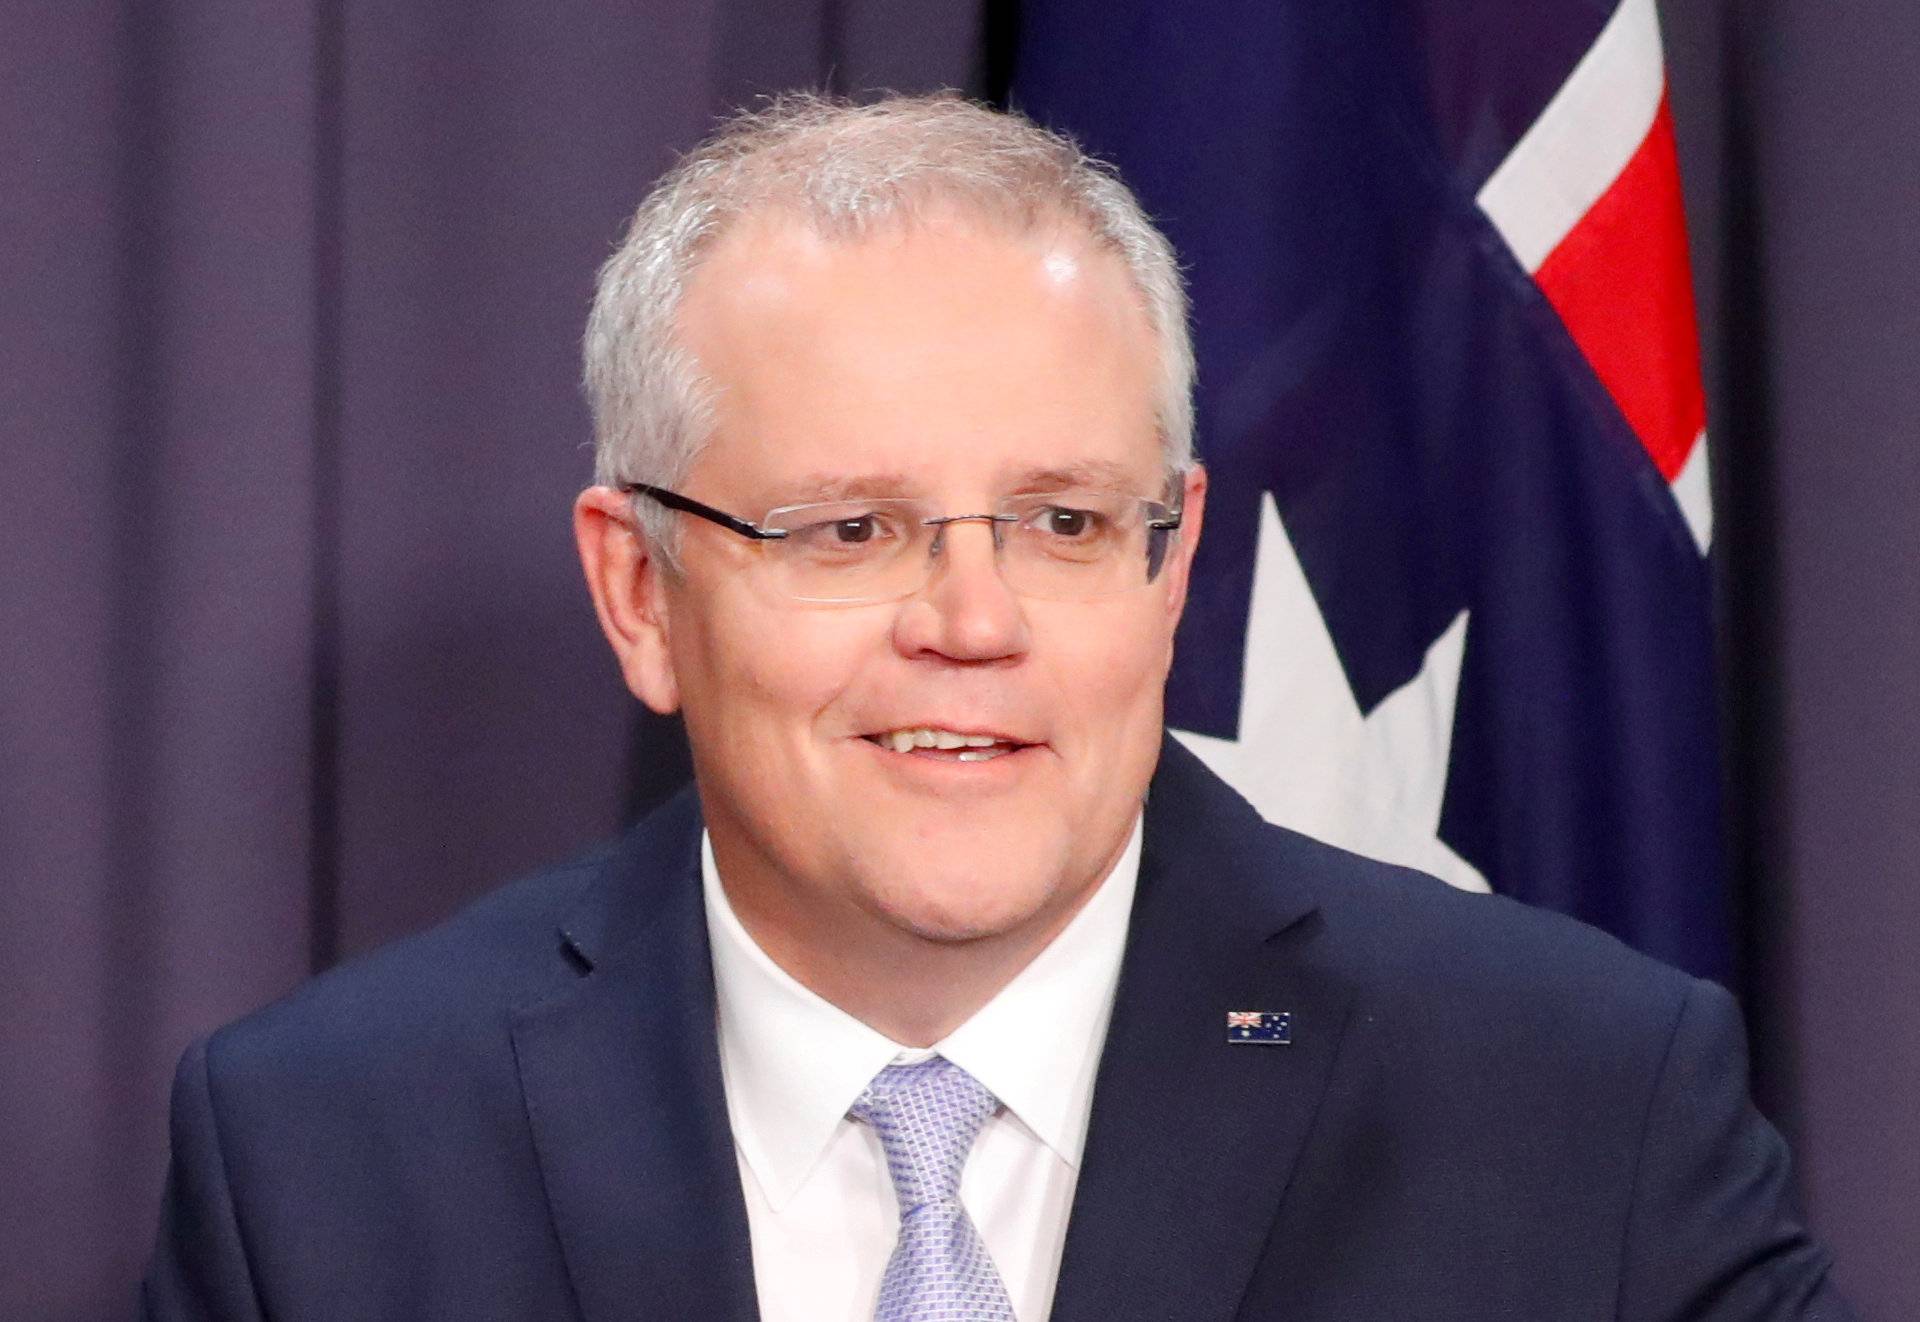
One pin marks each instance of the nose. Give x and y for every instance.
(966, 611)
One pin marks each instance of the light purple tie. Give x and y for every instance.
(927, 1115)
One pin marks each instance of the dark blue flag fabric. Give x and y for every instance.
(1452, 602)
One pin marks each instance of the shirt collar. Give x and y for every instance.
(794, 1062)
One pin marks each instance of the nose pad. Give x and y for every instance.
(937, 547)
(939, 526)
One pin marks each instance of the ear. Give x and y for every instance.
(1193, 510)
(627, 580)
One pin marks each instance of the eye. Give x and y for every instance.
(846, 532)
(1074, 527)
(1069, 523)
(1064, 522)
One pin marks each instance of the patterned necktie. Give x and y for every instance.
(927, 1115)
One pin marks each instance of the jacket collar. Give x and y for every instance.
(621, 1077)
(1192, 1137)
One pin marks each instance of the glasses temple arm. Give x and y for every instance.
(673, 500)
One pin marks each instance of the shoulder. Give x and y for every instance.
(422, 1000)
(1486, 975)
(1416, 951)
(1405, 921)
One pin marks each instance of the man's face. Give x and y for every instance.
(957, 363)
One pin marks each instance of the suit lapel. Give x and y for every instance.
(621, 1076)
(1192, 1139)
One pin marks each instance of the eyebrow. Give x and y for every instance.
(827, 488)
(1087, 473)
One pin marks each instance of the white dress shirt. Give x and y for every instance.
(820, 1207)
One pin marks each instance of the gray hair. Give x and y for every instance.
(846, 170)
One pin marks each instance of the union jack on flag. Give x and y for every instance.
(1452, 604)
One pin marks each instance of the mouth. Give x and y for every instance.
(947, 745)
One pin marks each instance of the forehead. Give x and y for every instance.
(945, 351)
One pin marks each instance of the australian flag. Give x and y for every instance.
(1452, 602)
(1262, 1027)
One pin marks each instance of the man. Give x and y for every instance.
(955, 991)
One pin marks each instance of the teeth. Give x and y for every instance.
(904, 741)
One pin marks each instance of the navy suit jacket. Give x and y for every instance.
(1486, 1112)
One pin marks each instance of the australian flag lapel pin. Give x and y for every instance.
(1261, 1027)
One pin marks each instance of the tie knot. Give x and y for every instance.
(927, 1115)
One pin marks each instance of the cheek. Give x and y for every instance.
(751, 673)
(1111, 670)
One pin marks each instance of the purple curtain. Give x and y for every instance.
(1797, 127)
(294, 656)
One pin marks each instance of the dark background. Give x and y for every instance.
(294, 656)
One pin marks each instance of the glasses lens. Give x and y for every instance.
(1065, 546)
(868, 550)
(1073, 545)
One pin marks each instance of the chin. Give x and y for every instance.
(974, 906)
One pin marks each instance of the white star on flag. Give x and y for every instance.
(1308, 758)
